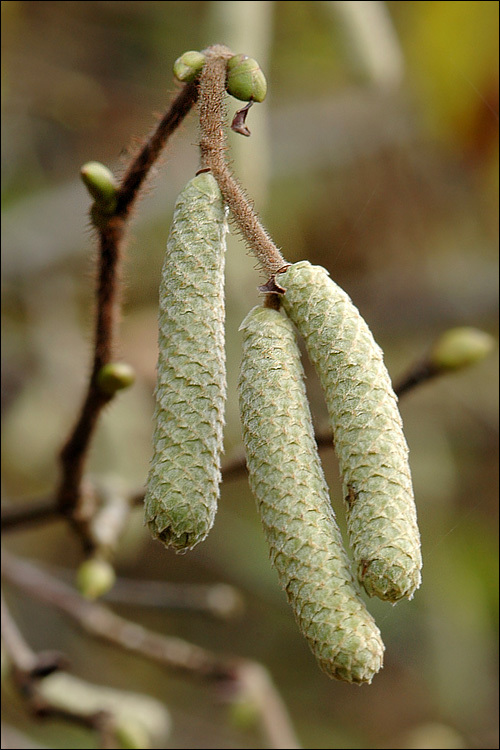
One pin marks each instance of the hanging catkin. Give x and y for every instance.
(367, 429)
(292, 496)
(184, 476)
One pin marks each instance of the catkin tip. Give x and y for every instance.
(390, 583)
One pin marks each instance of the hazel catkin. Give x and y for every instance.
(184, 476)
(287, 481)
(367, 431)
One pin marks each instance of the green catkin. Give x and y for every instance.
(287, 481)
(367, 431)
(184, 476)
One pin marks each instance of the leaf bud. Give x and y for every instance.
(245, 79)
(461, 347)
(115, 376)
(188, 66)
(101, 184)
(95, 577)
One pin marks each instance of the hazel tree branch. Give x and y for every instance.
(213, 147)
(111, 233)
(28, 670)
(245, 679)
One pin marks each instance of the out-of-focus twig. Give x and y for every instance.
(217, 599)
(238, 676)
(31, 512)
(28, 670)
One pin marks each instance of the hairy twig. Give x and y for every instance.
(111, 235)
(139, 169)
(244, 678)
(213, 156)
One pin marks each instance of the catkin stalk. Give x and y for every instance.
(292, 497)
(184, 476)
(367, 430)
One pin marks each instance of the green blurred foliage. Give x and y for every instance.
(388, 179)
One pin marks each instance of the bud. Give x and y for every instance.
(132, 734)
(461, 347)
(95, 577)
(245, 79)
(244, 713)
(188, 66)
(115, 376)
(101, 184)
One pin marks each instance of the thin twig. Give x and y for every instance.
(38, 510)
(213, 149)
(45, 509)
(100, 622)
(139, 169)
(21, 656)
(28, 670)
(243, 677)
(217, 599)
(111, 235)
(420, 372)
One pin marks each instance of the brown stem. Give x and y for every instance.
(419, 373)
(74, 451)
(213, 149)
(138, 170)
(29, 513)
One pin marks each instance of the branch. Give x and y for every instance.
(39, 510)
(217, 599)
(213, 149)
(111, 233)
(138, 170)
(245, 679)
(28, 671)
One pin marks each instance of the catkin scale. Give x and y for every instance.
(287, 481)
(184, 476)
(367, 431)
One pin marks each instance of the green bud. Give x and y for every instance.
(95, 577)
(114, 377)
(245, 79)
(188, 66)
(101, 184)
(132, 734)
(461, 347)
(243, 713)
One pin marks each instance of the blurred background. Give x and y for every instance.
(374, 154)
